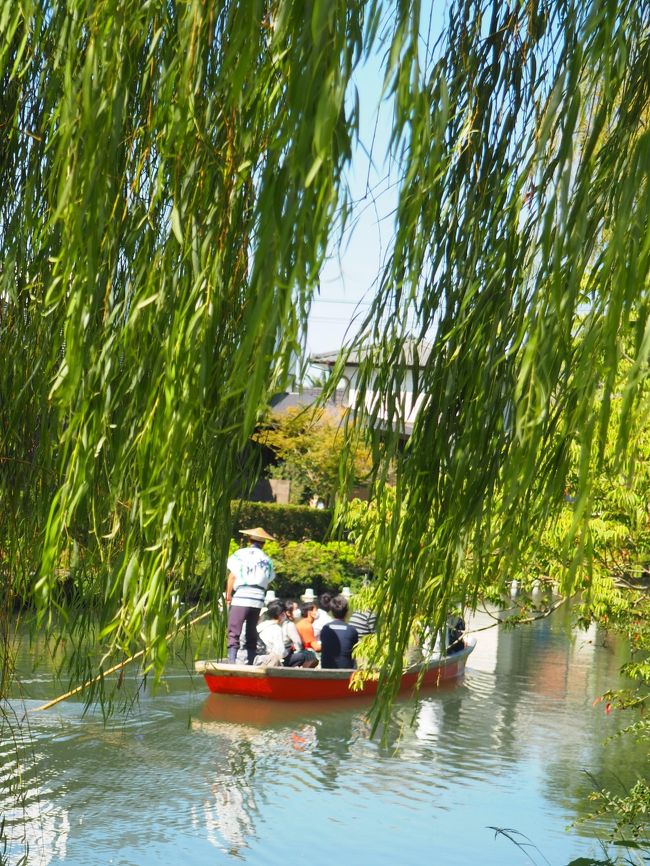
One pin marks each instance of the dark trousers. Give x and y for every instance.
(237, 616)
(299, 658)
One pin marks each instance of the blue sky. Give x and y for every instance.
(353, 267)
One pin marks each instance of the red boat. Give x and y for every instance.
(316, 684)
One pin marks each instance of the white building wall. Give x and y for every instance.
(409, 404)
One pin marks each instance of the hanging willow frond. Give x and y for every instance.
(521, 255)
(170, 172)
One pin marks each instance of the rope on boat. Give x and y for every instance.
(110, 671)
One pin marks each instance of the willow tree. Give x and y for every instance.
(521, 254)
(171, 174)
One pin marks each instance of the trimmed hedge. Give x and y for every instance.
(284, 522)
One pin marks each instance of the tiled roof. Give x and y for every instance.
(299, 399)
(411, 350)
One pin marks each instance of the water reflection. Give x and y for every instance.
(255, 740)
(507, 734)
(190, 777)
(32, 822)
(228, 812)
(239, 748)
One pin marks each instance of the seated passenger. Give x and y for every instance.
(305, 626)
(297, 655)
(337, 637)
(365, 622)
(262, 657)
(293, 609)
(274, 637)
(324, 615)
(455, 632)
(292, 637)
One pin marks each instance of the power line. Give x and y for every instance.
(340, 301)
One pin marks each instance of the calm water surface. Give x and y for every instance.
(191, 778)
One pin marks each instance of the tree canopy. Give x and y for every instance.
(171, 171)
(521, 254)
(310, 444)
(173, 175)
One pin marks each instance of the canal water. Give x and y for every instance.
(184, 777)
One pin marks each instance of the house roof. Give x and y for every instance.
(412, 349)
(300, 399)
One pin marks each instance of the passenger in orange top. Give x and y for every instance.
(305, 625)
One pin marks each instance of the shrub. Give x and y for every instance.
(299, 564)
(323, 567)
(284, 522)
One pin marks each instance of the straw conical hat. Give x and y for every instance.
(257, 534)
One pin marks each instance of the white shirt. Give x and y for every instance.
(291, 635)
(273, 637)
(322, 619)
(253, 572)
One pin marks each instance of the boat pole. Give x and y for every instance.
(110, 671)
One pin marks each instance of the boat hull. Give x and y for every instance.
(303, 684)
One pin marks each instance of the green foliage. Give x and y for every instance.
(362, 521)
(522, 155)
(173, 172)
(285, 522)
(627, 811)
(310, 443)
(290, 472)
(323, 567)
(630, 812)
(612, 575)
(609, 570)
(172, 175)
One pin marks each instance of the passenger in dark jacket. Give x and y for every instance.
(337, 637)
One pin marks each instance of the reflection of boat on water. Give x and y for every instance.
(242, 710)
(316, 684)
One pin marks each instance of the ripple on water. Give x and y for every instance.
(183, 780)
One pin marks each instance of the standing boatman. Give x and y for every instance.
(250, 571)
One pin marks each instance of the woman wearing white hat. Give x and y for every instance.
(250, 571)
